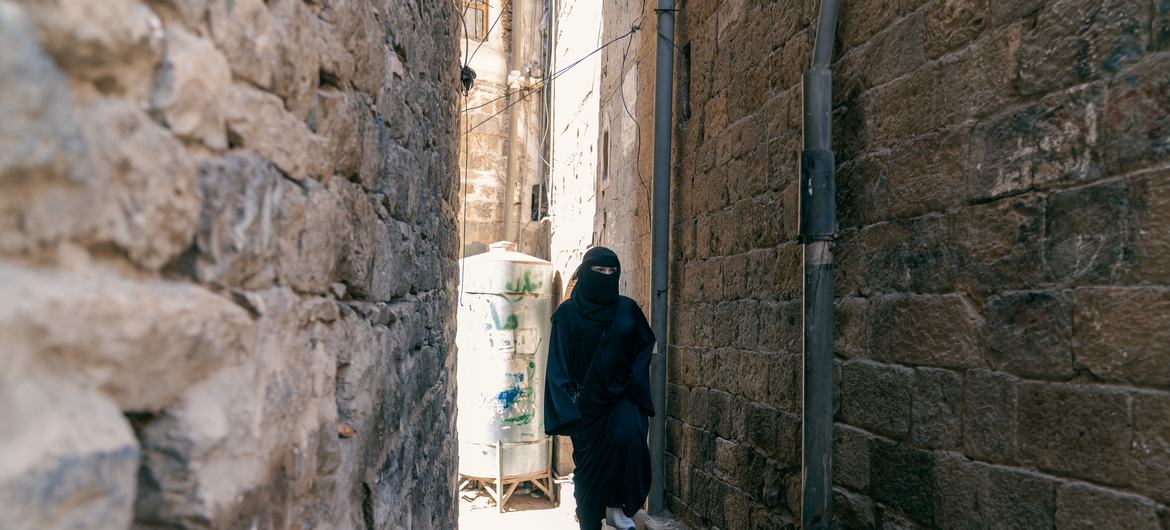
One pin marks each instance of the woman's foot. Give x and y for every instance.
(617, 519)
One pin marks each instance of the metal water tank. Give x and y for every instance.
(502, 338)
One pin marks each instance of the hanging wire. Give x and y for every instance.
(530, 90)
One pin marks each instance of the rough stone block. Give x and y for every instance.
(952, 24)
(258, 121)
(1082, 506)
(1051, 142)
(876, 397)
(1149, 236)
(193, 80)
(1030, 334)
(851, 510)
(1150, 451)
(313, 232)
(936, 414)
(1019, 500)
(1075, 41)
(902, 256)
(111, 46)
(981, 78)
(989, 416)
(753, 376)
(70, 457)
(1085, 240)
(142, 342)
(150, 194)
(960, 490)
(1076, 429)
(1000, 245)
(908, 330)
(903, 478)
(41, 148)
(1121, 336)
(249, 36)
(1135, 119)
(783, 371)
(851, 457)
(237, 235)
(908, 180)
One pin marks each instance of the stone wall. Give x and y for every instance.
(227, 263)
(624, 181)
(1002, 282)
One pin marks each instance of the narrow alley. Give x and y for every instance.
(291, 264)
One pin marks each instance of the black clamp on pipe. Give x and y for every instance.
(818, 196)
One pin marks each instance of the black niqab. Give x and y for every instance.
(596, 293)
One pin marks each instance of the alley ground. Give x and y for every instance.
(478, 512)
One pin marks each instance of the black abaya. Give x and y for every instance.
(597, 391)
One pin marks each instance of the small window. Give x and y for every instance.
(605, 155)
(475, 15)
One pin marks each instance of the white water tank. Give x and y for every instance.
(502, 338)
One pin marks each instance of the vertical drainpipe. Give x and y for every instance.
(660, 254)
(517, 138)
(818, 227)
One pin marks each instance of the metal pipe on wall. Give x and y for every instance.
(818, 227)
(660, 250)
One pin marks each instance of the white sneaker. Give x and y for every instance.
(616, 518)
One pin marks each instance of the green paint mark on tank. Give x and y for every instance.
(524, 284)
(512, 322)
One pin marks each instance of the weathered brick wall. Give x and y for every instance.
(227, 255)
(1003, 291)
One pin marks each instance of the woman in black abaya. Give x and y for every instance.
(597, 390)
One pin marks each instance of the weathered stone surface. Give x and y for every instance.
(903, 478)
(1000, 244)
(1076, 429)
(237, 237)
(1135, 122)
(960, 491)
(1149, 237)
(70, 459)
(1029, 333)
(113, 46)
(1051, 142)
(150, 194)
(936, 413)
(247, 33)
(1083, 506)
(165, 189)
(990, 421)
(297, 74)
(1150, 451)
(142, 343)
(40, 143)
(258, 121)
(851, 510)
(1121, 334)
(876, 397)
(1085, 241)
(1075, 41)
(192, 82)
(851, 457)
(1019, 500)
(314, 229)
(906, 330)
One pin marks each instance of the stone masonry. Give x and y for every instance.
(227, 263)
(1003, 286)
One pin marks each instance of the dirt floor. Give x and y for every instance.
(477, 511)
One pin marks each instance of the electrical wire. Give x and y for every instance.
(637, 126)
(530, 90)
